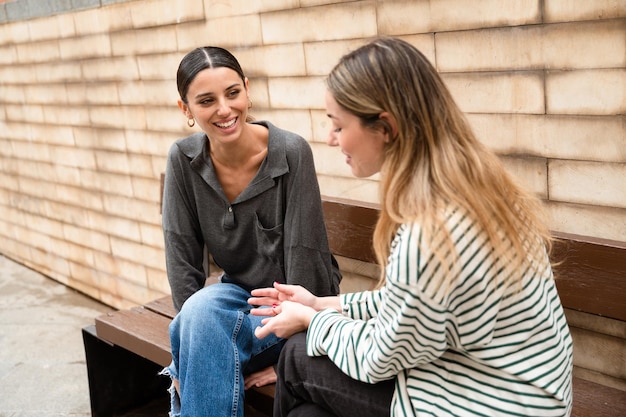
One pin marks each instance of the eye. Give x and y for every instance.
(233, 93)
(206, 101)
(337, 130)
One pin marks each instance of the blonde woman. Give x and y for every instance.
(466, 320)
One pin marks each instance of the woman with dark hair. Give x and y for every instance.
(466, 320)
(248, 193)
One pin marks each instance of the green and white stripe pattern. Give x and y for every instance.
(468, 347)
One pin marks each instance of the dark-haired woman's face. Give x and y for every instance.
(218, 100)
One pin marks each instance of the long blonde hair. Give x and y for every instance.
(434, 161)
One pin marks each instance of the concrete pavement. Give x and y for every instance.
(42, 360)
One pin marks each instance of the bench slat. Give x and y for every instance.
(592, 399)
(591, 277)
(138, 330)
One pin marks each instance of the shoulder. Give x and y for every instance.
(190, 146)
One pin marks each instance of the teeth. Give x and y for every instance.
(226, 125)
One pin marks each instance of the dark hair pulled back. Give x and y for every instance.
(200, 59)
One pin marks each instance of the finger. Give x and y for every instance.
(264, 292)
(261, 332)
(262, 301)
(262, 312)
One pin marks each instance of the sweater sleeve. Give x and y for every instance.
(388, 331)
(184, 245)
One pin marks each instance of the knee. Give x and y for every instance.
(292, 353)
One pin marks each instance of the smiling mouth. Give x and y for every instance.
(228, 124)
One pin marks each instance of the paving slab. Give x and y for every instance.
(42, 360)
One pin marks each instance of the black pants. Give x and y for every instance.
(315, 387)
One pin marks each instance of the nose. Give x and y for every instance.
(223, 109)
(332, 139)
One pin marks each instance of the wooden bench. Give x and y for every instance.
(126, 349)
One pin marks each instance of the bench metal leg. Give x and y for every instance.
(119, 380)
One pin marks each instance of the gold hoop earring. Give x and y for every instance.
(191, 122)
(249, 104)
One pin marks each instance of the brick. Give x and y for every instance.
(498, 92)
(114, 162)
(164, 118)
(107, 183)
(13, 94)
(66, 115)
(18, 74)
(114, 226)
(227, 32)
(85, 237)
(162, 12)
(530, 173)
(583, 45)
(404, 17)
(114, 117)
(133, 251)
(152, 143)
(14, 33)
(57, 72)
(159, 67)
(259, 94)
(297, 121)
(103, 138)
(341, 21)
(157, 280)
(109, 69)
(591, 92)
(91, 46)
(78, 197)
(102, 20)
(570, 10)
(152, 235)
(156, 93)
(586, 220)
(238, 7)
(67, 175)
(321, 57)
(146, 188)
(330, 161)
(272, 60)
(31, 151)
(38, 52)
(132, 209)
(45, 28)
(141, 166)
(45, 94)
(80, 158)
(8, 54)
(53, 135)
(143, 41)
(599, 138)
(591, 183)
(559, 46)
(297, 93)
(23, 113)
(102, 93)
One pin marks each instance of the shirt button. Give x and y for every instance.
(230, 209)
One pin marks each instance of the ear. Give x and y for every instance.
(185, 109)
(389, 121)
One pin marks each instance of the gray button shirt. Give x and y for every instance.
(273, 231)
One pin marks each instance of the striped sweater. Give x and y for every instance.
(470, 347)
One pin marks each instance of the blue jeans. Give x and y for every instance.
(213, 347)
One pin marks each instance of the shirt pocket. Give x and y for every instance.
(270, 241)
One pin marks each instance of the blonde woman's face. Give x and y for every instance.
(362, 147)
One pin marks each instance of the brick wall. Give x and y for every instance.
(88, 112)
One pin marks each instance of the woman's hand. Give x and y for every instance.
(286, 319)
(272, 297)
(258, 379)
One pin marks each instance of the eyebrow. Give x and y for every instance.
(230, 87)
